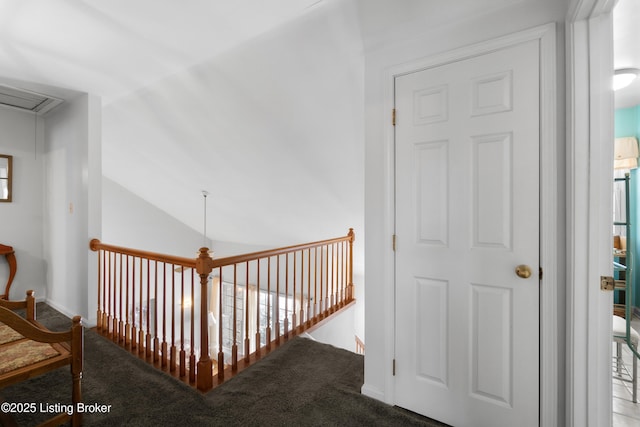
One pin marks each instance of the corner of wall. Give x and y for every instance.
(72, 211)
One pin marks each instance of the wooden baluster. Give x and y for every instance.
(325, 284)
(165, 358)
(234, 347)
(220, 329)
(109, 300)
(121, 296)
(334, 277)
(346, 273)
(112, 293)
(127, 328)
(172, 358)
(156, 339)
(315, 284)
(286, 295)
(247, 341)
(345, 296)
(141, 313)
(338, 273)
(308, 287)
(192, 354)
(148, 347)
(115, 279)
(293, 305)
(100, 289)
(321, 302)
(336, 304)
(268, 326)
(343, 282)
(102, 320)
(301, 318)
(327, 298)
(329, 293)
(183, 356)
(301, 300)
(258, 308)
(106, 299)
(134, 330)
(277, 299)
(350, 284)
(329, 271)
(114, 298)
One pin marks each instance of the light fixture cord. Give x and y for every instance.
(204, 236)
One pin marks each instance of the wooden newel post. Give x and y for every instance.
(352, 237)
(204, 266)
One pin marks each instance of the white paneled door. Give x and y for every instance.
(467, 227)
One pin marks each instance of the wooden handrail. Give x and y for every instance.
(96, 244)
(237, 259)
(135, 308)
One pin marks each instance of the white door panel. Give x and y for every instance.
(467, 213)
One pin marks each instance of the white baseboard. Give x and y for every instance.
(58, 307)
(373, 392)
(86, 322)
(307, 335)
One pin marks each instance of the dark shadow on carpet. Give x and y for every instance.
(302, 383)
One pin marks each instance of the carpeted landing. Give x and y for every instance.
(302, 383)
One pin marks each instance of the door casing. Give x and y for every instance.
(590, 136)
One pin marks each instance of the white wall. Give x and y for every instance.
(272, 129)
(339, 331)
(22, 137)
(402, 48)
(132, 222)
(72, 160)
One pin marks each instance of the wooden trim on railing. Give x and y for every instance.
(236, 259)
(96, 245)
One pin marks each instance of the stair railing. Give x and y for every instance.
(244, 306)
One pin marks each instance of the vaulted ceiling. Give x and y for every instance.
(111, 48)
(260, 103)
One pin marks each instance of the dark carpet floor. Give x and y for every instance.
(302, 383)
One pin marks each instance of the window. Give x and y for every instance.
(270, 306)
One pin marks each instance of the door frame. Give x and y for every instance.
(590, 136)
(550, 211)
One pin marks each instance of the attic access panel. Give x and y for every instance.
(26, 100)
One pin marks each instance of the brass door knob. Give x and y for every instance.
(523, 271)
